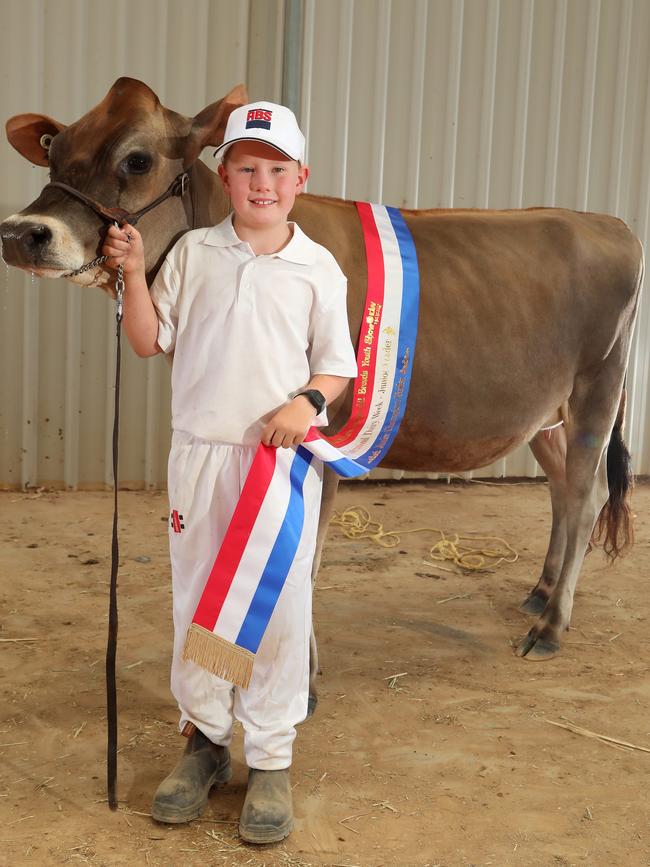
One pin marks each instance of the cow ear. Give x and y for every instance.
(209, 126)
(32, 134)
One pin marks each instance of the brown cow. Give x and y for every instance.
(526, 316)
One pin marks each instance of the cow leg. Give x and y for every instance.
(592, 409)
(330, 487)
(549, 448)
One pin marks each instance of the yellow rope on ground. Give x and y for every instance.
(355, 523)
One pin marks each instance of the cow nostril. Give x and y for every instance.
(36, 236)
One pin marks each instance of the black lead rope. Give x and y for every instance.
(178, 187)
(111, 646)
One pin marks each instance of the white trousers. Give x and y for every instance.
(205, 480)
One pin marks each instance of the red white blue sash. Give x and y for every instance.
(263, 536)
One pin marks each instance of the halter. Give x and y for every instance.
(119, 216)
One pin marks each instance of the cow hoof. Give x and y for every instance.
(534, 603)
(537, 649)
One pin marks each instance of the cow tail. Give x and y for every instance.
(615, 525)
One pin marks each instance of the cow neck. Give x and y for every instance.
(210, 205)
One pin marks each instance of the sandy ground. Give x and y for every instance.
(452, 763)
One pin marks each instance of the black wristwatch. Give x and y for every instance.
(315, 398)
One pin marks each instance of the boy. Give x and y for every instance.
(255, 313)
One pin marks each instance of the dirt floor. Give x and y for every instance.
(431, 744)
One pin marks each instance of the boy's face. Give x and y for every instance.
(262, 183)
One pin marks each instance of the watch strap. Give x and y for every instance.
(315, 398)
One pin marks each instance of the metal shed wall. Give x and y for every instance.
(57, 341)
(425, 103)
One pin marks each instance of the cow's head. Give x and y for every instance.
(123, 154)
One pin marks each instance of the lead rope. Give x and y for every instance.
(178, 187)
(111, 646)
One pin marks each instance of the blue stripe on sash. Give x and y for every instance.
(347, 468)
(406, 341)
(280, 560)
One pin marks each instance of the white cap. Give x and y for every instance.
(267, 122)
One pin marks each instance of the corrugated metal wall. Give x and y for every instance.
(57, 340)
(486, 103)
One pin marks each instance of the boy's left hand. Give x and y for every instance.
(289, 425)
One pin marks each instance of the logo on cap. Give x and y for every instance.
(258, 118)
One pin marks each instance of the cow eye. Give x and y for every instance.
(137, 164)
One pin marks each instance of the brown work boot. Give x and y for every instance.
(182, 795)
(267, 815)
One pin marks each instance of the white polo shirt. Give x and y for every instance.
(247, 330)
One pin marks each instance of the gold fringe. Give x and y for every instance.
(215, 654)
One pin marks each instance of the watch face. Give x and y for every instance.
(316, 399)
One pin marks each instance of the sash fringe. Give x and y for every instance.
(221, 657)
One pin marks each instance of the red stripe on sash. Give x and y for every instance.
(366, 360)
(237, 537)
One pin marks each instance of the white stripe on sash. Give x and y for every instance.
(255, 556)
(390, 319)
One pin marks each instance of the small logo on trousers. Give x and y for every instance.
(176, 522)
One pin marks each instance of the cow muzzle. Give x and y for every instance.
(24, 243)
(40, 243)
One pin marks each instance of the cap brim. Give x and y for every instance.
(222, 147)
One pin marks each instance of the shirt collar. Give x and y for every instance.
(298, 250)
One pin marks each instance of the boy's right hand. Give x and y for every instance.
(124, 247)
